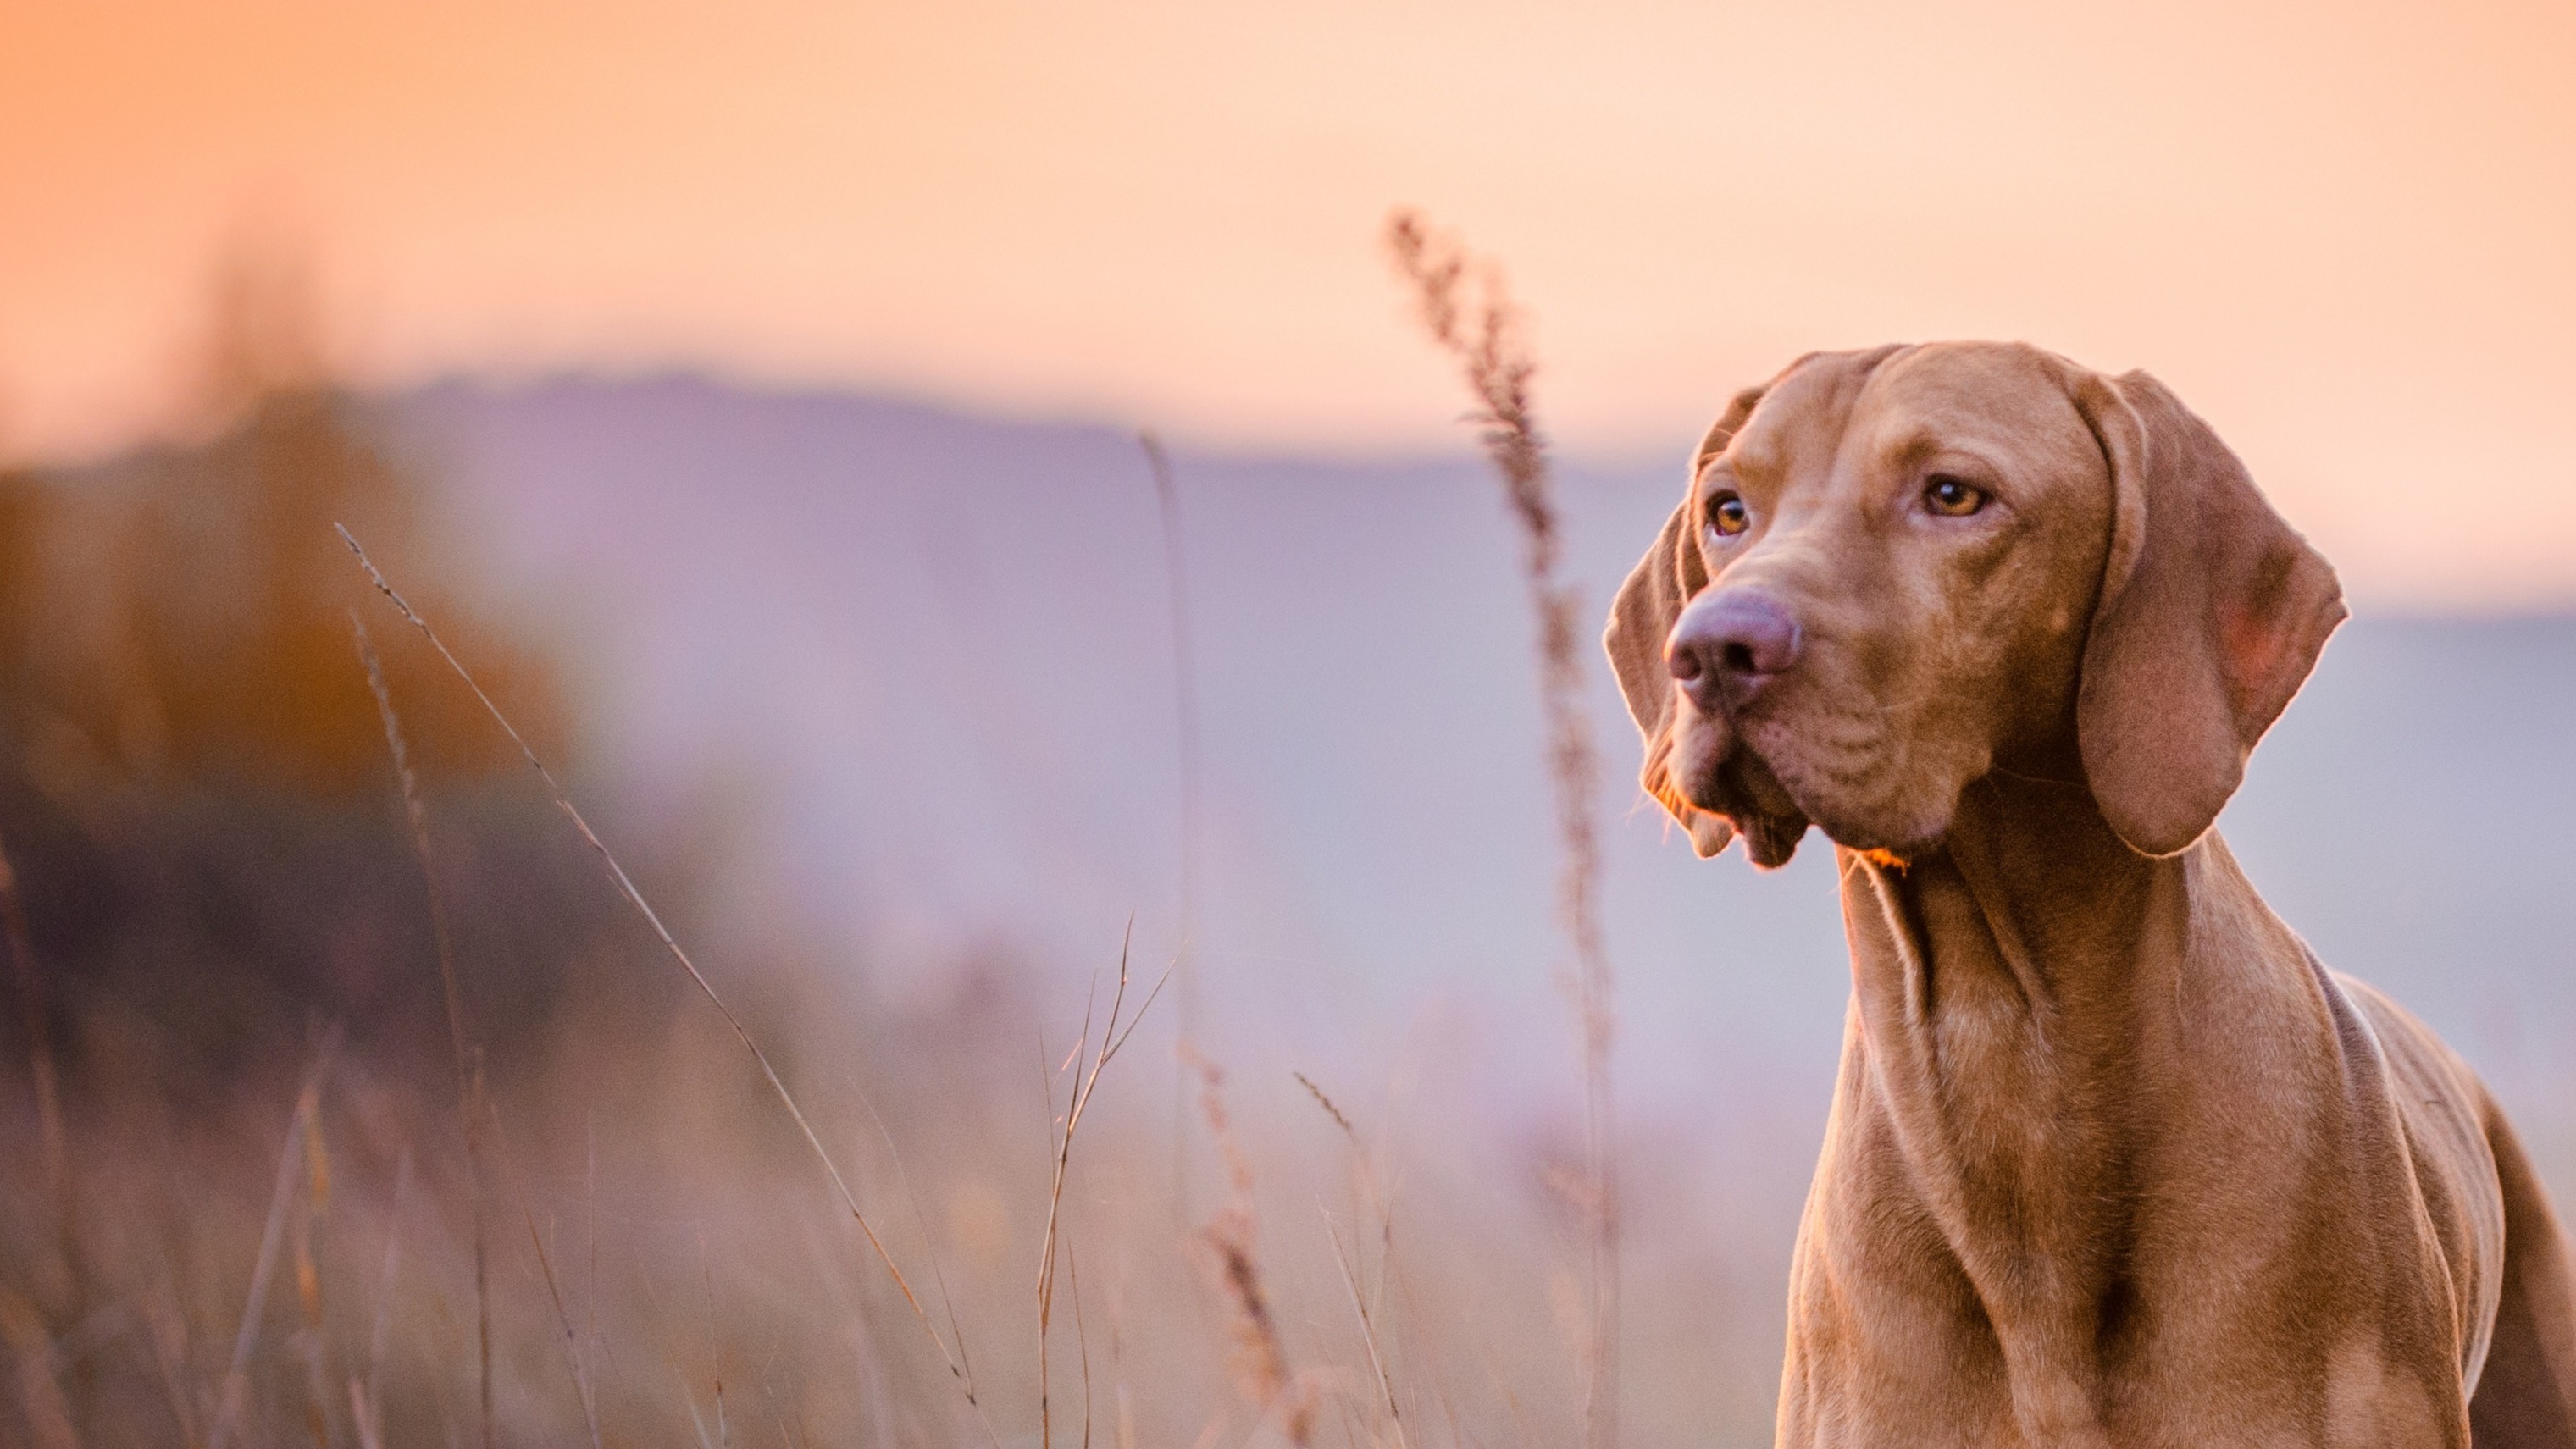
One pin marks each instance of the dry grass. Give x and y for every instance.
(1086, 1082)
(1185, 721)
(1470, 316)
(524, 1193)
(472, 1105)
(58, 1279)
(1233, 1267)
(634, 897)
(291, 1262)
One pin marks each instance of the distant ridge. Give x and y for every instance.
(934, 647)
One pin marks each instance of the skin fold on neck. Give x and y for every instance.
(2019, 994)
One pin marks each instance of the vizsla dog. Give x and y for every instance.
(2113, 1159)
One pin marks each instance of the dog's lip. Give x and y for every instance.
(1740, 786)
(1739, 781)
(1764, 810)
(1733, 780)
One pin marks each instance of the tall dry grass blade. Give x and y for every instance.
(698, 1421)
(1046, 1259)
(590, 1227)
(573, 1361)
(1122, 1406)
(308, 1284)
(474, 1093)
(308, 1099)
(363, 1414)
(40, 1392)
(385, 1279)
(366, 1406)
(460, 1043)
(563, 1320)
(44, 1078)
(715, 1342)
(871, 1367)
(1185, 710)
(1326, 1103)
(165, 1332)
(1086, 1081)
(921, 1224)
(777, 1419)
(1260, 1358)
(1371, 1201)
(1368, 1333)
(1368, 1200)
(635, 898)
(1081, 1336)
(1469, 315)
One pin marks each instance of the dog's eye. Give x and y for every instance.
(1728, 515)
(1952, 497)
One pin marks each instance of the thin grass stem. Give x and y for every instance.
(1185, 711)
(460, 1039)
(1469, 315)
(1086, 1081)
(635, 898)
(272, 1237)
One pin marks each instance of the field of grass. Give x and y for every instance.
(357, 1095)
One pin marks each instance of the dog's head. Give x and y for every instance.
(1897, 570)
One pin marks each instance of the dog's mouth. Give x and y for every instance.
(1740, 786)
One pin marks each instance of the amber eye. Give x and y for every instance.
(1728, 515)
(1952, 497)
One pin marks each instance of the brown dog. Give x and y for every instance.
(2113, 1160)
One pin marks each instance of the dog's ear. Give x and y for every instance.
(2211, 614)
(1641, 620)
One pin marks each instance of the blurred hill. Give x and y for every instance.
(877, 701)
(196, 794)
(933, 648)
(183, 616)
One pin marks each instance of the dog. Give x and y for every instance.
(2113, 1159)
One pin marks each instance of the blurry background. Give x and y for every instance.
(750, 397)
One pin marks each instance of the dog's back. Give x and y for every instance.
(2466, 1155)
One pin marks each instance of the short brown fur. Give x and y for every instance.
(2113, 1159)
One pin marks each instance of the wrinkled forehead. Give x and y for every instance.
(2006, 404)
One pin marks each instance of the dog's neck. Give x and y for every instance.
(2030, 907)
(2007, 982)
(2019, 994)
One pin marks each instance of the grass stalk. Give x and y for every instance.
(41, 1402)
(1185, 690)
(365, 1394)
(1370, 1202)
(1081, 1335)
(466, 1056)
(635, 898)
(1260, 1358)
(308, 1100)
(563, 1320)
(308, 1284)
(1368, 1334)
(583, 1385)
(1470, 316)
(44, 1076)
(1086, 1081)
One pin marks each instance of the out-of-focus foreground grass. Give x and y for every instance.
(239, 1206)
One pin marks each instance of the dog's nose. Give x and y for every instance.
(1730, 643)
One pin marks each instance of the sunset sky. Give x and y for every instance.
(2343, 232)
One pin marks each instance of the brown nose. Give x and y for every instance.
(1730, 643)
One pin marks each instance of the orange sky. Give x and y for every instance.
(2343, 232)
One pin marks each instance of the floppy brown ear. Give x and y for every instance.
(2212, 612)
(1642, 618)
